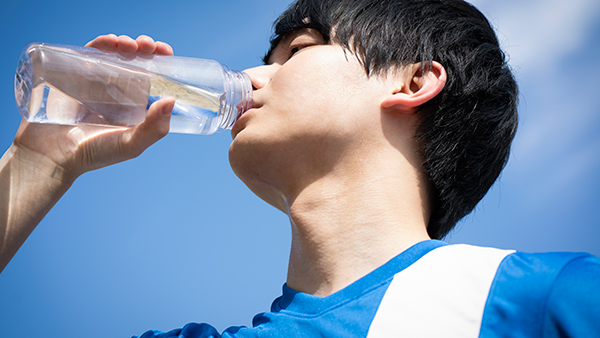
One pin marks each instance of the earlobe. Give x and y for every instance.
(419, 87)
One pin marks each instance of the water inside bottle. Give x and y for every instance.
(196, 109)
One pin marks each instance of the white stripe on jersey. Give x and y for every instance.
(443, 294)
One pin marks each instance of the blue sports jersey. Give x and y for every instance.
(438, 290)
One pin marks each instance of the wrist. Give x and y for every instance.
(32, 165)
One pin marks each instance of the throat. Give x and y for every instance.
(337, 238)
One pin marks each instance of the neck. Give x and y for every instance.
(347, 224)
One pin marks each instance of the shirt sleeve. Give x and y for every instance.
(573, 307)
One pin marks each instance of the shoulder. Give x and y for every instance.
(549, 274)
(573, 306)
(544, 295)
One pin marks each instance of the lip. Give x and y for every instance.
(240, 124)
(251, 106)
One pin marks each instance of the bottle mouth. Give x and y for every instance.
(246, 93)
(238, 97)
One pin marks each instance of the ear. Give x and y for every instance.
(416, 86)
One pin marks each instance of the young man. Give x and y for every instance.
(376, 126)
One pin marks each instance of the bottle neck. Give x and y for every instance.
(238, 95)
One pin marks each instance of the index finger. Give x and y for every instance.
(163, 48)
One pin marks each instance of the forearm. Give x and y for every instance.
(30, 185)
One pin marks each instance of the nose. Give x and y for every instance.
(260, 76)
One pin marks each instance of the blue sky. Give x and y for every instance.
(173, 236)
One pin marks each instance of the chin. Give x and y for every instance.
(242, 154)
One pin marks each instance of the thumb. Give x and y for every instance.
(155, 126)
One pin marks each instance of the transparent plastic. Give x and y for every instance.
(70, 85)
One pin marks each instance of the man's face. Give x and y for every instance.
(312, 103)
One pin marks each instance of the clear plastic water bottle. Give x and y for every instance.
(70, 85)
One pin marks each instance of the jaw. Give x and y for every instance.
(278, 169)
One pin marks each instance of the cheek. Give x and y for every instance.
(295, 85)
(317, 92)
(310, 89)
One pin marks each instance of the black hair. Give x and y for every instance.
(465, 132)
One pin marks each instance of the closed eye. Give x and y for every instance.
(295, 42)
(295, 49)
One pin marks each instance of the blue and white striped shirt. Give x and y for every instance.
(438, 290)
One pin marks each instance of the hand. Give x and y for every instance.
(81, 148)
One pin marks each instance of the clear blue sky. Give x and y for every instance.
(173, 236)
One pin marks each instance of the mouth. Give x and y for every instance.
(251, 104)
(241, 122)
